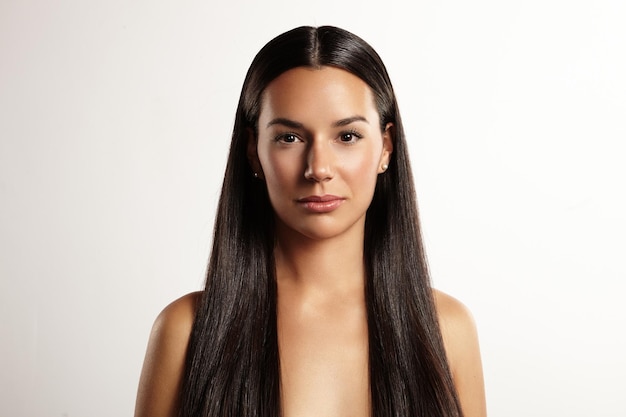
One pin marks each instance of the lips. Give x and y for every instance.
(321, 204)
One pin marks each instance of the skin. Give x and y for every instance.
(318, 135)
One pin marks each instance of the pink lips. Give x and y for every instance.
(321, 204)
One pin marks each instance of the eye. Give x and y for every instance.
(287, 138)
(350, 137)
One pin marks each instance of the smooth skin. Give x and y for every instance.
(319, 149)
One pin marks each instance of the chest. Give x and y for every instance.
(324, 362)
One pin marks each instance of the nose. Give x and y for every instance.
(319, 163)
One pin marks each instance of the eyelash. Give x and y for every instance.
(282, 136)
(355, 134)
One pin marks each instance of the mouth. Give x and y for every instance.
(321, 204)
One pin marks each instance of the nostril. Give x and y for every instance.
(318, 172)
(319, 164)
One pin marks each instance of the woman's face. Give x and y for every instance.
(319, 149)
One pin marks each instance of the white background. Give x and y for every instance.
(115, 118)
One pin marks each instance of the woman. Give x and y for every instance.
(317, 300)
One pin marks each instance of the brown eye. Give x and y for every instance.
(349, 137)
(287, 138)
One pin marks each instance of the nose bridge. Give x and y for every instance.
(319, 163)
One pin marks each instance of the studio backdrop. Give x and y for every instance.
(115, 120)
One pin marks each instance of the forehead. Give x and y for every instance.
(325, 93)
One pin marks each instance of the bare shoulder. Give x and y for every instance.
(172, 326)
(164, 364)
(460, 339)
(178, 316)
(455, 319)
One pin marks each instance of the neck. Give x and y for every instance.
(333, 265)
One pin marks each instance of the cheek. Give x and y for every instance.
(279, 169)
(362, 164)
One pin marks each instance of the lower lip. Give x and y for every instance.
(322, 206)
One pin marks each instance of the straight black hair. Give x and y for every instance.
(233, 365)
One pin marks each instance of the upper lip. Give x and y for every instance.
(319, 198)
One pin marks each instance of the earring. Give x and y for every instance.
(384, 167)
(256, 175)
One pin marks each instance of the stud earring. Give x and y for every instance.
(256, 175)
(384, 167)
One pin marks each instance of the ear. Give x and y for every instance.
(385, 156)
(253, 156)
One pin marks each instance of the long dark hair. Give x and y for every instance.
(232, 365)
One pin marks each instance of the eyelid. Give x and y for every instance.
(281, 136)
(352, 132)
(355, 133)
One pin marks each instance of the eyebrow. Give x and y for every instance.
(348, 120)
(297, 125)
(285, 122)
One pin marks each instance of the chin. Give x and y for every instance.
(325, 229)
